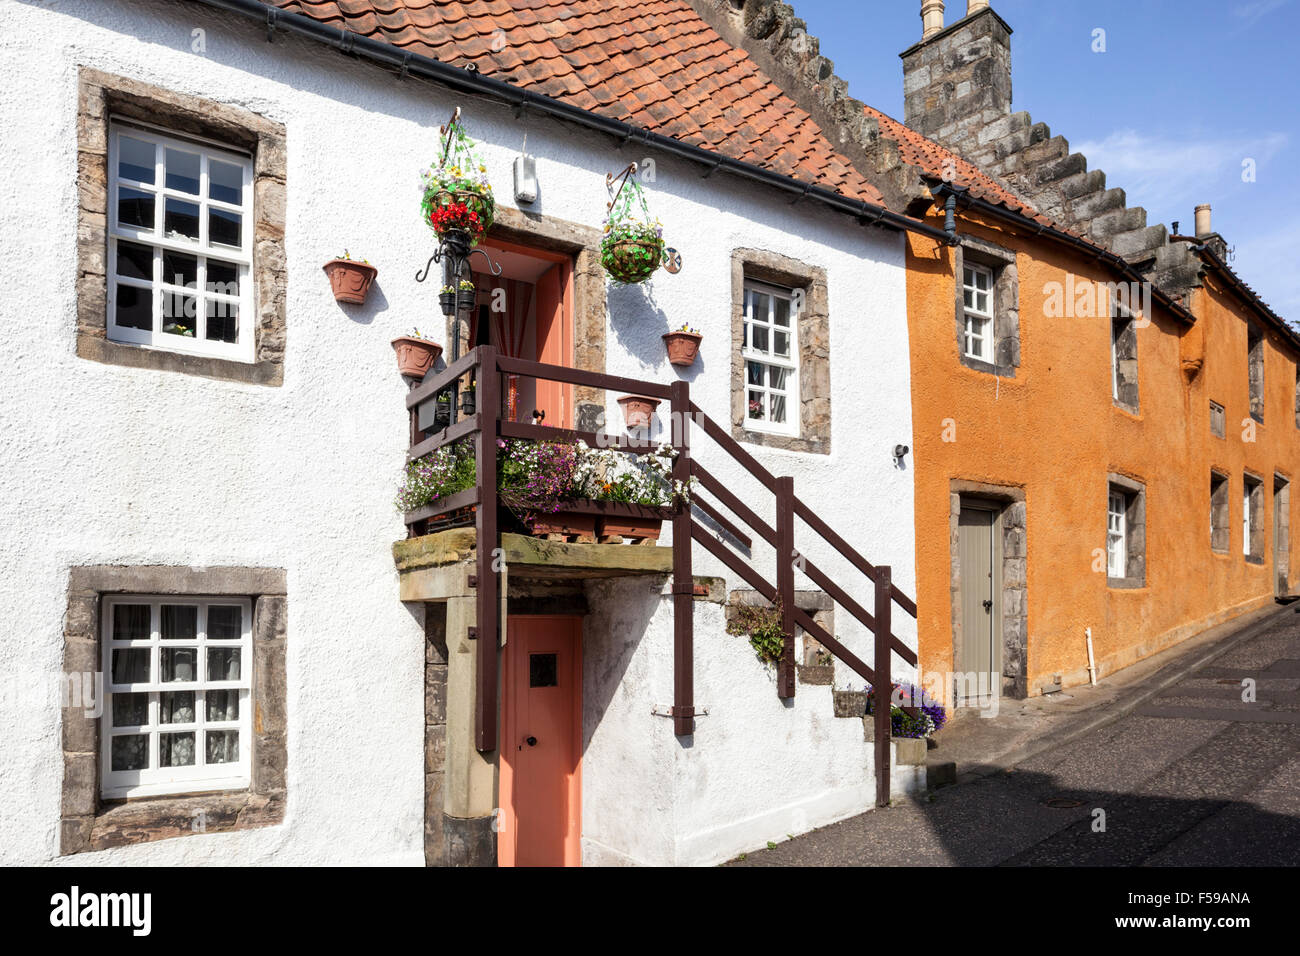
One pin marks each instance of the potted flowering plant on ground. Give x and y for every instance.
(633, 245)
(415, 354)
(457, 197)
(350, 279)
(930, 714)
(683, 345)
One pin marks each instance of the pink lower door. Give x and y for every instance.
(541, 746)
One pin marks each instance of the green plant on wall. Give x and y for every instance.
(765, 627)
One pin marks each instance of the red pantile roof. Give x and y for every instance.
(654, 64)
(942, 163)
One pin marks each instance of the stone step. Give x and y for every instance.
(1140, 245)
(1083, 184)
(1060, 169)
(1091, 205)
(1118, 221)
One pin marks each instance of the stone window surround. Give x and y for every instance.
(1126, 361)
(90, 823)
(1250, 480)
(1255, 339)
(814, 349)
(1006, 304)
(1135, 531)
(101, 95)
(1219, 419)
(1220, 511)
(1011, 528)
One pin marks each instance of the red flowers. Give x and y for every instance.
(456, 215)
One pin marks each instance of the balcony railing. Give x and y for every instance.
(486, 423)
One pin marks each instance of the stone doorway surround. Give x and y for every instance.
(1010, 530)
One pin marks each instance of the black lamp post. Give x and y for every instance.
(455, 248)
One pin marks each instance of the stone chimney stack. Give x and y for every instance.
(931, 18)
(957, 80)
(1203, 221)
(1206, 234)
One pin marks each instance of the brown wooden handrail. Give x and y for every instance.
(488, 424)
(577, 376)
(813, 521)
(430, 387)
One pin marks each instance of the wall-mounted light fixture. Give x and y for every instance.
(525, 176)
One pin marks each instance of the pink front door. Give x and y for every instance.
(541, 747)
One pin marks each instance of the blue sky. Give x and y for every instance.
(1186, 90)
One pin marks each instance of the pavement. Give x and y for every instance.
(1163, 764)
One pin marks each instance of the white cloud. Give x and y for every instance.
(1250, 11)
(1164, 175)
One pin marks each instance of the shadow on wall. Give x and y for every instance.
(621, 613)
(637, 321)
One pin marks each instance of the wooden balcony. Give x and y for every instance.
(436, 562)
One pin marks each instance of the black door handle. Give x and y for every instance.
(988, 606)
(531, 741)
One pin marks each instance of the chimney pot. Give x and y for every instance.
(1203, 227)
(931, 18)
(975, 6)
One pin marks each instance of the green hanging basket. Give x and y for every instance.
(632, 247)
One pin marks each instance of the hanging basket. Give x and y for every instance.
(466, 209)
(456, 194)
(633, 245)
(632, 260)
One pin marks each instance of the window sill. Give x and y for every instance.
(1257, 560)
(988, 368)
(1133, 410)
(811, 446)
(1126, 584)
(144, 820)
(99, 349)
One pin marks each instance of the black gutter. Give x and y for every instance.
(466, 81)
(1115, 262)
(1246, 292)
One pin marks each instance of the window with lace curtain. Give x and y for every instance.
(177, 686)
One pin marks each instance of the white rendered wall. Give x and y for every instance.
(105, 465)
(756, 769)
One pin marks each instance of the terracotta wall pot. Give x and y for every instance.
(638, 410)
(415, 356)
(682, 347)
(350, 279)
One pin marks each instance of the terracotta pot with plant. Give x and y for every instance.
(415, 354)
(350, 279)
(638, 410)
(683, 345)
